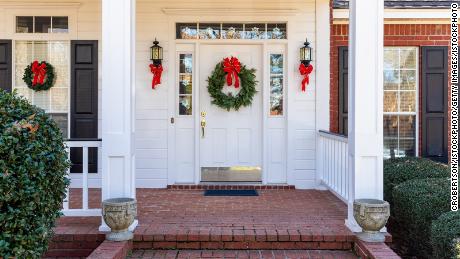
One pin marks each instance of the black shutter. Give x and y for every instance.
(434, 103)
(83, 105)
(343, 90)
(5, 65)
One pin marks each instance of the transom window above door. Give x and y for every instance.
(42, 24)
(216, 31)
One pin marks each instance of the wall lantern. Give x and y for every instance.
(305, 67)
(156, 52)
(156, 55)
(305, 53)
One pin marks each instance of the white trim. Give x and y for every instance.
(230, 12)
(402, 14)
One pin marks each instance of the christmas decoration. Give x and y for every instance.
(156, 71)
(305, 71)
(39, 76)
(225, 72)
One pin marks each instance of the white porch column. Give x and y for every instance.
(118, 65)
(365, 125)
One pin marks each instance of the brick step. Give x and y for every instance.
(230, 187)
(73, 245)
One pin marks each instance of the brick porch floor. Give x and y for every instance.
(185, 219)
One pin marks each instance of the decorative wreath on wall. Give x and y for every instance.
(39, 76)
(224, 73)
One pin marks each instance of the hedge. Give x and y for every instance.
(416, 204)
(33, 179)
(445, 233)
(399, 170)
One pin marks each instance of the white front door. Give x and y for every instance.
(232, 139)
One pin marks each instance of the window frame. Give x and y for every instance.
(177, 86)
(13, 87)
(417, 95)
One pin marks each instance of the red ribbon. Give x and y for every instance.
(305, 71)
(39, 71)
(156, 71)
(232, 67)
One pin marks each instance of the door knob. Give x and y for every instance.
(203, 123)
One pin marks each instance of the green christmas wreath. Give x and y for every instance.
(224, 73)
(39, 76)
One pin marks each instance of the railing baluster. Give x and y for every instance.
(65, 204)
(85, 178)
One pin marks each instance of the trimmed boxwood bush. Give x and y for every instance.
(33, 164)
(399, 170)
(416, 204)
(445, 232)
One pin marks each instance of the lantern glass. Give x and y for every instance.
(305, 53)
(156, 53)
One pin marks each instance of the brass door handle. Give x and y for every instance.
(203, 123)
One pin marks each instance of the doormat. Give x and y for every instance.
(231, 193)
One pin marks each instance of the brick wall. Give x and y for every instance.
(415, 35)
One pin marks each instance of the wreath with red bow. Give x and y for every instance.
(231, 72)
(39, 76)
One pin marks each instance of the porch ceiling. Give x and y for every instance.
(404, 4)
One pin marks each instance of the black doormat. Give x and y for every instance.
(231, 193)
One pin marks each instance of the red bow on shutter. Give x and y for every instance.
(232, 67)
(305, 71)
(39, 71)
(156, 71)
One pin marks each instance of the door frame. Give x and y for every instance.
(267, 46)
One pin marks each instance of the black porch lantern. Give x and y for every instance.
(305, 53)
(156, 52)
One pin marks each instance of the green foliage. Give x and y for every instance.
(244, 98)
(49, 78)
(416, 204)
(445, 233)
(399, 170)
(33, 165)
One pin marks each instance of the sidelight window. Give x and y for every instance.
(276, 84)
(185, 84)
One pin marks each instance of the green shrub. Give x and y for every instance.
(445, 232)
(416, 204)
(399, 170)
(33, 164)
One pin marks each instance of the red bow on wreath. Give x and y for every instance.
(232, 67)
(39, 71)
(305, 71)
(156, 71)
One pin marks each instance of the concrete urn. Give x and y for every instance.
(371, 215)
(119, 214)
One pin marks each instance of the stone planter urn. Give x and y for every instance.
(119, 214)
(371, 215)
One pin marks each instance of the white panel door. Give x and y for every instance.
(232, 138)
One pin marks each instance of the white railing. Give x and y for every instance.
(333, 163)
(84, 210)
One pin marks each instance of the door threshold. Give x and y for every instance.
(231, 186)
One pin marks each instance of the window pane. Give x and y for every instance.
(186, 63)
(24, 24)
(40, 51)
(391, 59)
(276, 31)
(60, 24)
(209, 31)
(61, 120)
(391, 79)
(276, 95)
(42, 24)
(407, 101)
(42, 100)
(186, 31)
(406, 147)
(390, 101)
(185, 84)
(408, 58)
(254, 31)
(185, 105)
(276, 64)
(232, 31)
(390, 126)
(407, 126)
(390, 147)
(408, 80)
(59, 99)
